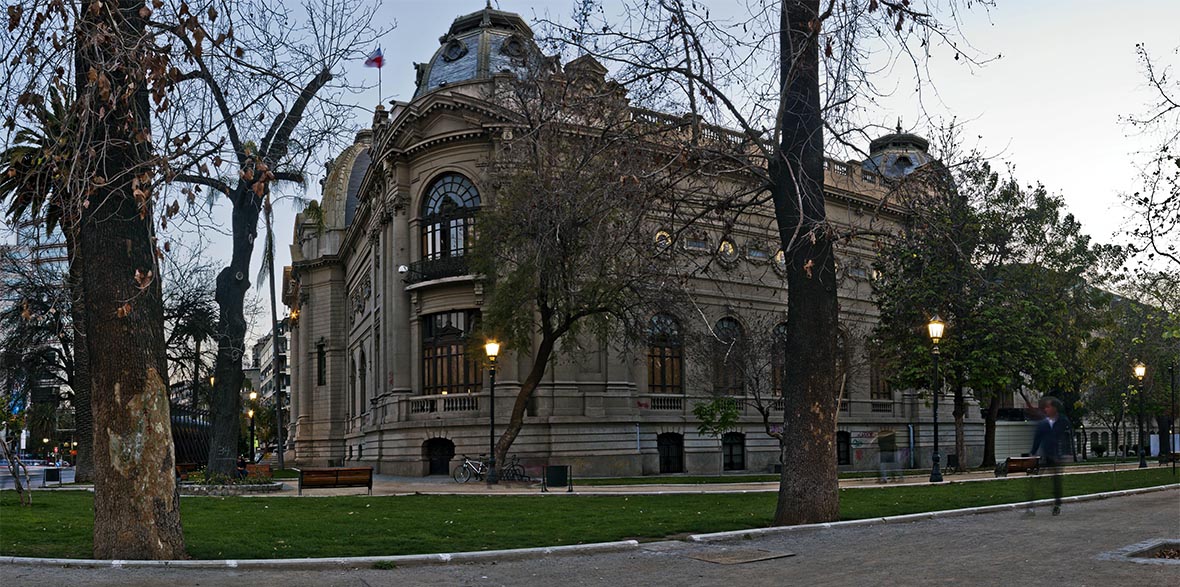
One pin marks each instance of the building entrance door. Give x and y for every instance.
(439, 452)
(671, 448)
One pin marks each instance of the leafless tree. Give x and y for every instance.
(788, 75)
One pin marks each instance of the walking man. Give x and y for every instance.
(1052, 442)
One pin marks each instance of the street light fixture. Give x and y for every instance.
(492, 348)
(1140, 371)
(253, 396)
(935, 329)
(251, 414)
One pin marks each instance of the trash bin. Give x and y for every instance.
(52, 475)
(556, 476)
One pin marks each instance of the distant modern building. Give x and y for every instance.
(264, 351)
(383, 304)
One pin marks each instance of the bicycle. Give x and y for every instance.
(513, 471)
(468, 468)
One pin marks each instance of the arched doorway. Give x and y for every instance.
(439, 452)
(671, 448)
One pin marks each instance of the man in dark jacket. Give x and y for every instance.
(1053, 441)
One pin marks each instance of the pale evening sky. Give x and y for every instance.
(1051, 105)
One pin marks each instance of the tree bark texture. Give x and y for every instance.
(808, 490)
(136, 503)
(80, 381)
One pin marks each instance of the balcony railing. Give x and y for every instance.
(444, 403)
(430, 269)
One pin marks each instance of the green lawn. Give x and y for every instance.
(59, 523)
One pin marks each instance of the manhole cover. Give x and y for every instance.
(1159, 551)
(737, 556)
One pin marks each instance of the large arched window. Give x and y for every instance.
(778, 359)
(362, 376)
(665, 355)
(728, 375)
(448, 217)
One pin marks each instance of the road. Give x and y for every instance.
(989, 549)
(37, 474)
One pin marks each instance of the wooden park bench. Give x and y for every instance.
(260, 471)
(1030, 465)
(336, 477)
(1169, 457)
(183, 470)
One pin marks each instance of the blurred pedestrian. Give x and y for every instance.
(1052, 442)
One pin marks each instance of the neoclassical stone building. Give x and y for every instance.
(382, 303)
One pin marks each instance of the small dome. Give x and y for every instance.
(343, 183)
(478, 46)
(897, 155)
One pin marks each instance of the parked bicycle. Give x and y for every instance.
(470, 468)
(513, 471)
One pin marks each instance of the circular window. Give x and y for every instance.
(454, 50)
(663, 240)
(780, 261)
(513, 47)
(727, 251)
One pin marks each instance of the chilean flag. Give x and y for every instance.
(376, 59)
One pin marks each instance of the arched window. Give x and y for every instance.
(665, 355)
(778, 359)
(362, 371)
(728, 378)
(448, 217)
(843, 448)
(352, 383)
(733, 451)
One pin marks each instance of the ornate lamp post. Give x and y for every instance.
(1140, 371)
(935, 329)
(492, 348)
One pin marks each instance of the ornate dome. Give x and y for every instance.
(477, 46)
(897, 155)
(345, 174)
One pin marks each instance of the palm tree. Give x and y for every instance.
(34, 176)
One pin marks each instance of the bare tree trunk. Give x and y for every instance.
(808, 489)
(136, 502)
(225, 405)
(989, 432)
(960, 413)
(80, 378)
(528, 386)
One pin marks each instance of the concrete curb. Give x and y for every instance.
(330, 562)
(754, 532)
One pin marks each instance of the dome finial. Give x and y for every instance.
(898, 125)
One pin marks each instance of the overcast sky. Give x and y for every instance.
(1051, 105)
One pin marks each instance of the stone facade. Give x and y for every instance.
(366, 295)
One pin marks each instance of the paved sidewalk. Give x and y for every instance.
(990, 549)
(439, 485)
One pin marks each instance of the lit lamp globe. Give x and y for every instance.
(492, 348)
(250, 413)
(936, 328)
(1140, 371)
(253, 395)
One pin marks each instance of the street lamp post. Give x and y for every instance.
(492, 348)
(251, 414)
(253, 402)
(935, 329)
(1140, 371)
(1172, 427)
